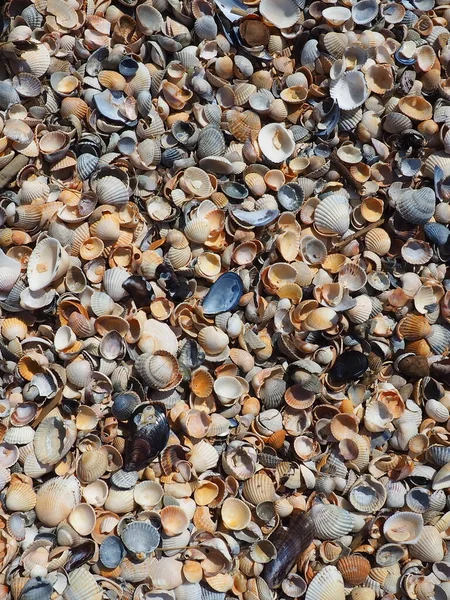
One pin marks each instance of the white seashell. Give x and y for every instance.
(429, 547)
(437, 411)
(82, 585)
(350, 90)
(403, 527)
(331, 522)
(203, 456)
(282, 13)
(48, 261)
(56, 499)
(112, 282)
(332, 215)
(276, 142)
(326, 585)
(367, 495)
(441, 479)
(9, 273)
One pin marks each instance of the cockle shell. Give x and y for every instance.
(276, 142)
(331, 522)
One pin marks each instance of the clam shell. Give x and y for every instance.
(53, 440)
(429, 546)
(276, 142)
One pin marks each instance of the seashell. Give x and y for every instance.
(53, 440)
(429, 546)
(364, 11)
(331, 522)
(140, 538)
(403, 528)
(112, 552)
(203, 456)
(235, 514)
(276, 142)
(366, 494)
(332, 215)
(56, 499)
(328, 583)
(47, 262)
(417, 206)
(150, 433)
(205, 27)
(416, 252)
(350, 90)
(354, 569)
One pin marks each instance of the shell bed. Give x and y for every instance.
(224, 303)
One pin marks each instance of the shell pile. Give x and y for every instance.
(225, 318)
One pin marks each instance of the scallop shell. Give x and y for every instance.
(56, 499)
(332, 215)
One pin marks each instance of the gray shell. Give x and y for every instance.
(211, 142)
(86, 165)
(417, 206)
(140, 537)
(331, 522)
(206, 27)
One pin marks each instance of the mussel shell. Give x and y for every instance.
(139, 289)
(224, 294)
(149, 436)
(80, 554)
(349, 366)
(289, 544)
(191, 355)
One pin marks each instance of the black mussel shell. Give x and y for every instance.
(224, 294)
(191, 355)
(80, 555)
(139, 289)
(349, 366)
(149, 435)
(289, 543)
(177, 287)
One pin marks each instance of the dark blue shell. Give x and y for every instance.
(148, 437)
(349, 366)
(128, 66)
(224, 294)
(436, 233)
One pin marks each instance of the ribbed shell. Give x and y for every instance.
(331, 522)
(332, 215)
(326, 585)
(417, 206)
(211, 142)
